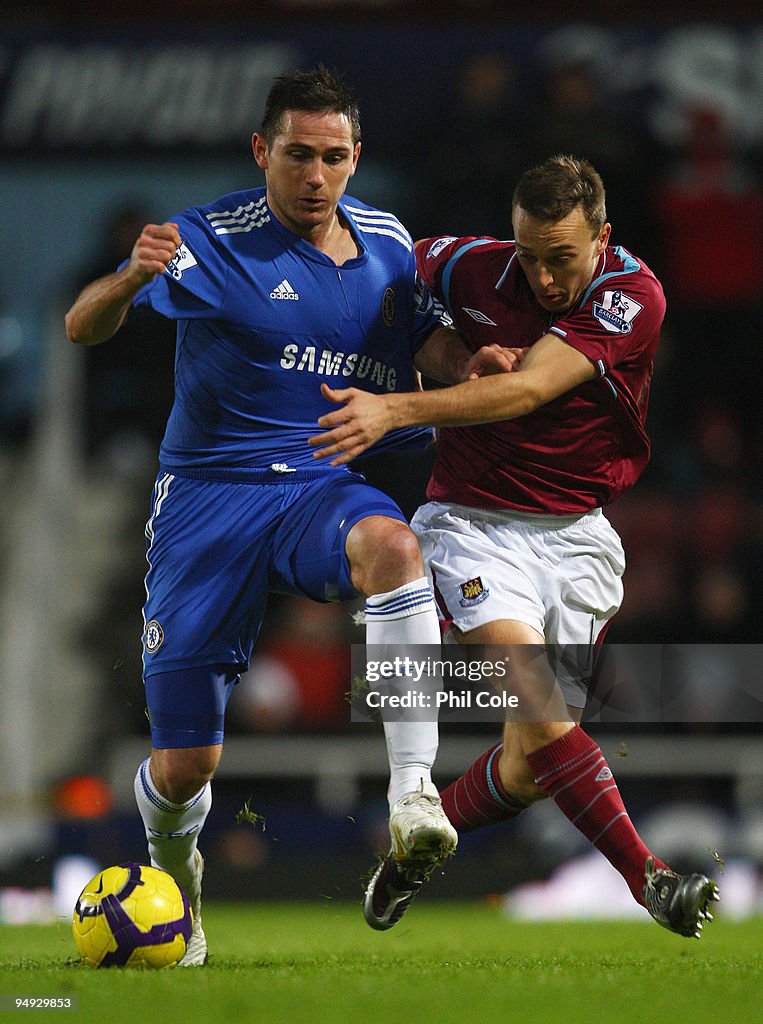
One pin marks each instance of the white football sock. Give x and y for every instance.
(406, 615)
(172, 830)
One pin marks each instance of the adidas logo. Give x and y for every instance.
(604, 775)
(284, 291)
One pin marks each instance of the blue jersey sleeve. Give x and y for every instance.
(194, 284)
(428, 313)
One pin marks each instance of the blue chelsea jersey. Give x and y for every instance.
(264, 318)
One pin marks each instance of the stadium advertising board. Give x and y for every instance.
(114, 93)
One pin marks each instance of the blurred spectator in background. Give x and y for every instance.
(721, 525)
(694, 536)
(654, 605)
(695, 547)
(128, 386)
(301, 675)
(481, 125)
(709, 208)
(575, 114)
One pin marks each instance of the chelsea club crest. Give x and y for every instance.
(388, 307)
(154, 636)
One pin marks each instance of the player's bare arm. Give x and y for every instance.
(550, 368)
(446, 358)
(101, 308)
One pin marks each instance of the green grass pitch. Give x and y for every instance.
(445, 964)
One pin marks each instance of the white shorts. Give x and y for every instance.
(562, 575)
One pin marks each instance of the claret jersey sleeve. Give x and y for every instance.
(619, 317)
(433, 256)
(617, 325)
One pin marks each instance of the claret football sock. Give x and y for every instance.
(172, 830)
(478, 797)
(404, 616)
(574, 773)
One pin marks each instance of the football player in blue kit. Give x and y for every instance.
(275, 290)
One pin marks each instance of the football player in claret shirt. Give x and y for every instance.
(514, 536)
(274, 290)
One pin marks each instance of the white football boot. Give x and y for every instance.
(422, 839)
(420, 830)
(196, 950)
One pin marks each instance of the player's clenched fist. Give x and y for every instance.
(102, 306)
(153, 251)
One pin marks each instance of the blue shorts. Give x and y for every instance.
(215, 551)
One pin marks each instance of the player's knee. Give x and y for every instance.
(383, 556)
(179, 774)
(402, 547)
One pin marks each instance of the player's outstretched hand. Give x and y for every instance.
(360, 422)
(492, 359)
(153, 251)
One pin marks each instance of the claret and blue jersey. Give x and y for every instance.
(264, 318)
(584, 448)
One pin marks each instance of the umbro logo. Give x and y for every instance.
(479, 316)
(604, 775)
(284, 291)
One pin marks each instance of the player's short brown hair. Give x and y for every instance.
(553, 189)
(318, 90)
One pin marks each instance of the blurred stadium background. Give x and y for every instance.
(108, 120)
